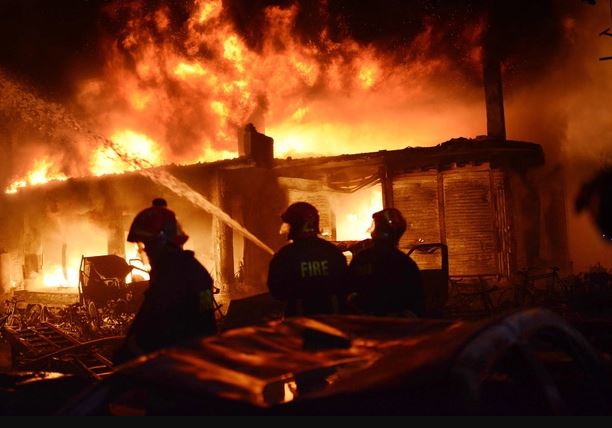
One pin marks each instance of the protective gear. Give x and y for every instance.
(303, 219)
(178, 306)
(389, 225)
(156, 224)
(159, 202)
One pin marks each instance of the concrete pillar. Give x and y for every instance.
(223, 238)
(494, 97)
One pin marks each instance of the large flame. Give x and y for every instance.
(164, 98)
(181, 78)
(42, 172)
(131, 145)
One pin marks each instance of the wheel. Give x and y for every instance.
(529, 363)
(13, 322)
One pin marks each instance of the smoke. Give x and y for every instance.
(566, 111)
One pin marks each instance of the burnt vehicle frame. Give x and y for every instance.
(529, 362)
(103, 290)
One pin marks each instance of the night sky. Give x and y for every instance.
(47, 42)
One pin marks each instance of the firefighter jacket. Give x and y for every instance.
(386, 281)
(310, 275)
(177, 306)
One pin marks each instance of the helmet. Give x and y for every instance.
(389, 224)
(159, 202)
(156, 223)
(303, 219)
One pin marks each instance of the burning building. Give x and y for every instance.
(474, 195)
(331, 84)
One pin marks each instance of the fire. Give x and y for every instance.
(134, 149)
(208, 10)
(354, 213)
(54, 276)
(42, 172)
(305, 95)
(168, 96)
(135, 256)
(185, 70)
(181, 78)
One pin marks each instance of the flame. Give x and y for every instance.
(136, 257)
(132, 146)
(190, 98)
(208, 10)
(42, 172)
(354, 213)
(180, 97)
(53, 276)
(186, 85)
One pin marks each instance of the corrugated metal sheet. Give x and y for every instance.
(469, 221)
(416, 196)
(503, 223)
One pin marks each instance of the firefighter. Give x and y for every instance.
(309, 273)
(178, 304)
(387, 281)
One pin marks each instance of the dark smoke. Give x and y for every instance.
(529, 33)
(48, 43)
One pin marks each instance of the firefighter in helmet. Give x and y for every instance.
(387, 281)
(309, 273)
(178, 304)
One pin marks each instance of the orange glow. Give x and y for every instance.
(42, 172)
(53, 276)
(233, 51)
(140, 100)
(329, 98)
(132, 146)
(184, 104)
(184, 70)
(208, 9)
(136, 257)
(210, 155)
(86, 239)
(354, 213)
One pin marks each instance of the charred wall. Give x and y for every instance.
(540, 230)
(485, 200)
